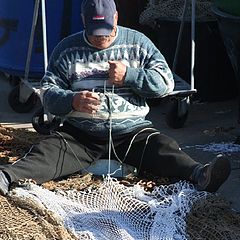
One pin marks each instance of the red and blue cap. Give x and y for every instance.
(98, 16)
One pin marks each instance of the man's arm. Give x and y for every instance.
(55, 93)
(153, 78)
(57, 97)
(153, 81)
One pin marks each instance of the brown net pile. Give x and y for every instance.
(15, 142)
(24, 220)
(173, 10)
(213, 218)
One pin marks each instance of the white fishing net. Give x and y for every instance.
(222, 147)
(114, 211)
(173, 10)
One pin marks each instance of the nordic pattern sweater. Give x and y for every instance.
(75, 65)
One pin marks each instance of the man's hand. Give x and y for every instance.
(117, 72)
(86, 101)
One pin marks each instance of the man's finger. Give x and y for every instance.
(92, 95)
(112, 64)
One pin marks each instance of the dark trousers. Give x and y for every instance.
(69, 150)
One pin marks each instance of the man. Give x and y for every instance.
(98, 80)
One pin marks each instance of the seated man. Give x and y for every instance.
(98, 80)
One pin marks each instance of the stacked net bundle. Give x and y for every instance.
(26, 220)
(173, 9)
(114, 211)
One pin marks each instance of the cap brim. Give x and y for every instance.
(99, 29)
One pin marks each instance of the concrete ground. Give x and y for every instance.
(210, 128)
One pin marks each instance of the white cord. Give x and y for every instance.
(75, 155)
(130, 144)
(150, 135)
(110, 131)
(110, 140)
(24, 155)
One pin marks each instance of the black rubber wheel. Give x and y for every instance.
(177, 113)
(16, 105)
(42, 127)
(14, 80)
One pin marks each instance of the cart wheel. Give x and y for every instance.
(14, 80)
(16, 105)
(42, 126)
(178, 112)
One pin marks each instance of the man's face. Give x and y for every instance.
(102, 42)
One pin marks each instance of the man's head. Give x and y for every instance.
(99, 17)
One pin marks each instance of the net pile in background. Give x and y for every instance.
(26, 220)
(114, 211)
(173, 10)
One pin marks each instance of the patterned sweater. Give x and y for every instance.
(76, 65)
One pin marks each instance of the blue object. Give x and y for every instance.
(63, 18)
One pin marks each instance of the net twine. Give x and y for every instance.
(173, 10)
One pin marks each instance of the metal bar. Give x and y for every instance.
(25, 88)
(44, 29)
(193, 28)
(30, 45)
(179, 40)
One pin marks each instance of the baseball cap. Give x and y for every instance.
(98, 16)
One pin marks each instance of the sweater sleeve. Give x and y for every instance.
(55, 94)
(153, 78)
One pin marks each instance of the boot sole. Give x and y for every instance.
(218, 172)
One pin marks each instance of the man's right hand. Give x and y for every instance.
(86, 101)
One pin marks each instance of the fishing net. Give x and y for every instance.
(25, 219)
(173, 10)
(114, 211)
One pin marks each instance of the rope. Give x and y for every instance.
(110, 142)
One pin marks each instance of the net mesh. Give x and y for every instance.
(173, 9)
(24, 219)
(114, 211)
